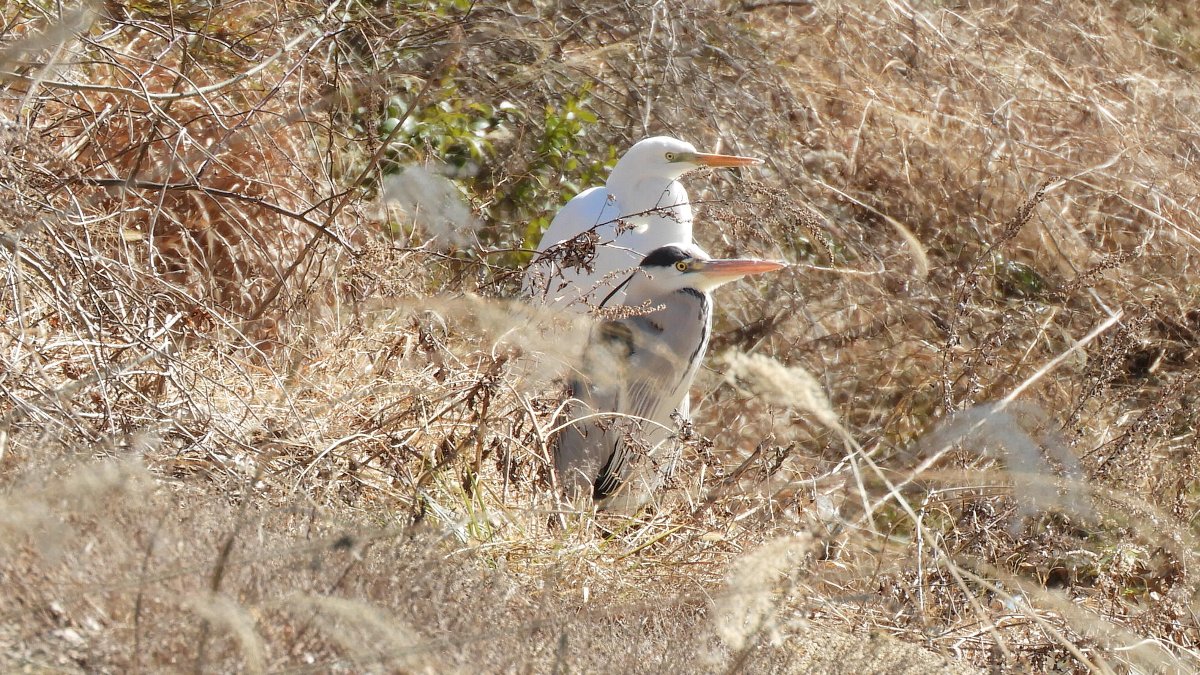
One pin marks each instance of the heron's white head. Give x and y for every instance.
(679, 266)
(668, 158)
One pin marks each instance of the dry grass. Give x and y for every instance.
(257, 419)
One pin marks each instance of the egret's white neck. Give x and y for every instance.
(649, 192)
(638, 193)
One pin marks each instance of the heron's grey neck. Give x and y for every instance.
(681, 328)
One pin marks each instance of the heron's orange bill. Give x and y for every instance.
(732, 268)
(706, 159)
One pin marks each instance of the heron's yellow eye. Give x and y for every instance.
(670, 157)
(682, 266)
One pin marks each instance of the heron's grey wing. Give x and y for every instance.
(639, 368)
(665, 350)
(668, 346)
(585, 447)
(640, 401)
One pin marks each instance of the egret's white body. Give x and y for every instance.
(641, 207)
(635, 372)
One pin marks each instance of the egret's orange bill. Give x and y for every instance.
(706, 159)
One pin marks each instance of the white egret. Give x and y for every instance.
(641, 207)
(619, 446)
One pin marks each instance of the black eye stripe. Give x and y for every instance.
(665, 256)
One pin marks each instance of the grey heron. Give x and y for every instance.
(641, 207)
(618, 443)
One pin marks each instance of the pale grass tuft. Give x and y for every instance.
(747, 609)
(551, 341)
(367, 633)
(788, 386)
(1024, 436)
(222, 611)
(432, 202)
(99, 479)
(22, 514)
(915, 248)
(37, 510)
(50, 37)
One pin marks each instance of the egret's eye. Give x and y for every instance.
(670, 157)
(682, 266)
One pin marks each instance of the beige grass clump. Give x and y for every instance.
(788, 386)
(746, 613)
(433, 202)
(370, 636)
(227, 615)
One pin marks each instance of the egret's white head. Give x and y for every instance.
(669, 158)
(679, 266)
